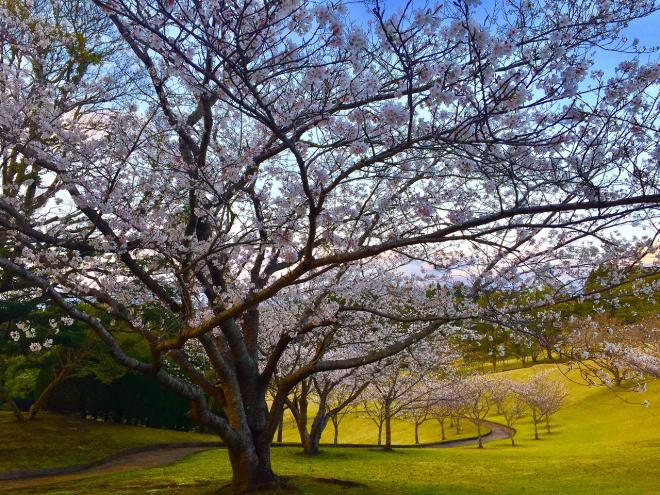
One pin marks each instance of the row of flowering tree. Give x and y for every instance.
(418, 387)
(477, 397)
(229, 181)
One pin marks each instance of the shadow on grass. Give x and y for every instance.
(296, 485)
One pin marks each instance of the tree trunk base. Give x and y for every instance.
(278, 484)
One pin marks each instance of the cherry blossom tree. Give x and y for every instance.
(38, 355)
(374, 409)
(218, 160)
(421, 411)
(342, 400)
(445, 405)
(473, 392)
(544, 396)
(333, 395)
(399, 387)
(609, 352)
(500, 388)
(510, 404)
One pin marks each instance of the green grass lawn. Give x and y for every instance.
(56, 441)
(600, 444)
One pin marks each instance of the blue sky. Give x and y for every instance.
(647, 30)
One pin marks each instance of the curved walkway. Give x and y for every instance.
(497, 432)
(163, 455)
(121, 462)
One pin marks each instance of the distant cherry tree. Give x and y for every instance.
(332, 393)
(544, 396)
(608, 352)
(343, 400)
(401, 387)
(512, 406)
(473, 393)
(422, 410)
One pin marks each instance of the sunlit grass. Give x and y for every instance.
(599, 445)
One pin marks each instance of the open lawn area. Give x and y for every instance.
(58, 441)
(599, 445)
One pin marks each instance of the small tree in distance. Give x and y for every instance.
(544, 396)
(446, 405)
(404, 382)
(474, 393)
(512, 407)
(421, 410)
(610, 353)
(342, 401)
(393, 390)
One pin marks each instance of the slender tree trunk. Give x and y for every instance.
(536, 426)
(388, 426)
(548, 351)
(513, 442)
(547, 422)
(280, 429)
(442, 428)
(416, 433)
(41, 400)
(6, 396)
(335, 424)
(458, 426)
(481, 445)
(380, 433)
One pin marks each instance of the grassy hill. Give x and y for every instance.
(56, 441)
(600, 445)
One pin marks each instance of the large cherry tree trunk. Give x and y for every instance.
(248, 425)
(249, 442)
(251, 467)
(318, 426)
